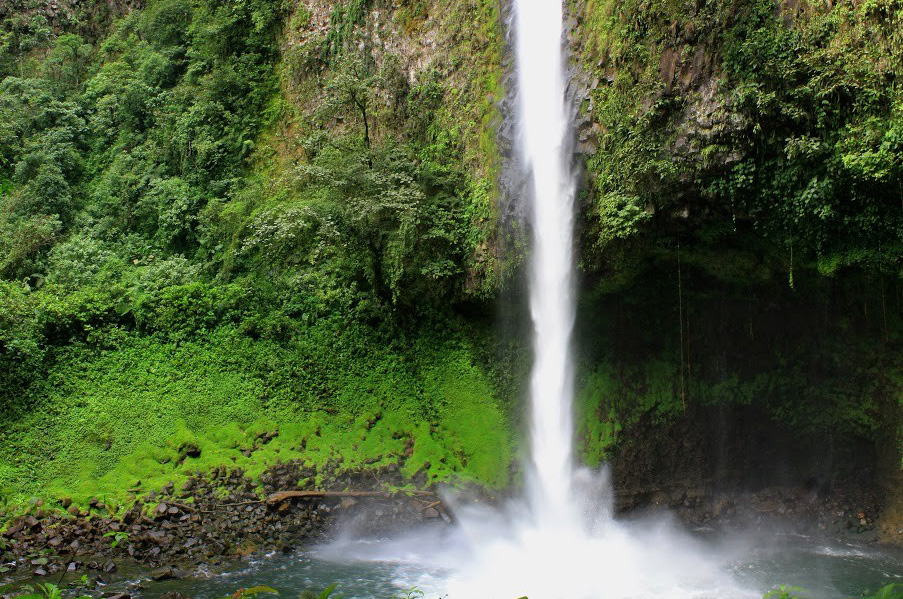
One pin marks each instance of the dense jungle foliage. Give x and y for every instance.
(772, 125)
(210, 226)
(221, 218)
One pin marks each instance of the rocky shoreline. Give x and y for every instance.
(222, 515)
(209, 519)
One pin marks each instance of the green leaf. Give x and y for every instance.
(889, 592)
(328, 591)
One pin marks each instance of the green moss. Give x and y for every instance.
(157, 412)
(597, 421)
(471, 423)
(613, 396)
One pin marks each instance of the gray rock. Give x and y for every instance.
(165, 573)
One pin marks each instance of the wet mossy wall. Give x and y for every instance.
(820, 362)
(741, 224)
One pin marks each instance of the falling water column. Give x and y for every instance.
(544, 136)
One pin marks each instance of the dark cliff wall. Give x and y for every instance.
(741, 236)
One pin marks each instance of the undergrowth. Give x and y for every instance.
(119, 421)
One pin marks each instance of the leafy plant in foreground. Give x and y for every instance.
(251, 592)
(891, 591)
(324, 594)
(118, 537)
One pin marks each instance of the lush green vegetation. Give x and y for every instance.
(135, 409)
(210, 228)
(743, 205)
(776, 130)
(222, 219)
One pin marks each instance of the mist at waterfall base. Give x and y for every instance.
(384, 569)
(560, 541)
(505, 552)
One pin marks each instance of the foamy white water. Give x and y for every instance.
(563, 543)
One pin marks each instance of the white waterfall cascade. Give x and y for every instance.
(564, 544)
(561, 542)
(544, 145)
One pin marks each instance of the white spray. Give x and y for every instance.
(564, 544)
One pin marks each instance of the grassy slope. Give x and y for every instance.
(106, 419)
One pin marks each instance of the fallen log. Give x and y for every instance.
(284, 495)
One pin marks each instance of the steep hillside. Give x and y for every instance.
(742, 237)
(219, 220)
(223, 220)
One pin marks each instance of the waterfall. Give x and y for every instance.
(560, 541)
(544, 135)
(563, 542)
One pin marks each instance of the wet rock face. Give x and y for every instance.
(852, 514)
(738, 467)
(210, 518)
(705, 118)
